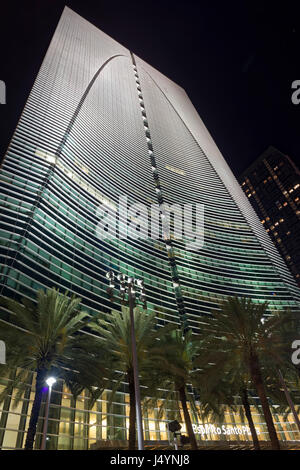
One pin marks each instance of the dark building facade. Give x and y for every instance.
(101, 123)
(272, 185)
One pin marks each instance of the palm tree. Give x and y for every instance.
(116, 337)
(46, 338)
(242, 330)
(244, 394)
(221, 388)
(175, 372)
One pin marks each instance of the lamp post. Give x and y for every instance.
(133, 288)
(175, 427)
(50, 381)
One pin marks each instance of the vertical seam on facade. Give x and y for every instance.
(167, 239)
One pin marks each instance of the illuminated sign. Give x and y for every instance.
(224, 429)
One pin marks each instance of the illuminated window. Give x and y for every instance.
(176, 170)
(49, 157)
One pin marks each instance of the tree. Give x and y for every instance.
(116, 339)
(242, 330)
(222, 387)
(46, 337)
(175, 372)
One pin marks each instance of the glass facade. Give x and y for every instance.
(73, 426)
(100, 123)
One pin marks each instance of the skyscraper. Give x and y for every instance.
(100, 123)
(272, 184)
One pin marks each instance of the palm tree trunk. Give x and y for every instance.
(245, 401)
(132, 411)
(187, 418)
(259, 385)
(40, 383)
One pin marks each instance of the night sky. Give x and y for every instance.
(236, 61)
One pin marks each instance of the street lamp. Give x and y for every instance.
(50, 381)
(134, 288)
(175, 427)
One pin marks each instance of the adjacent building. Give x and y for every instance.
(101, 123)
(272, 184)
